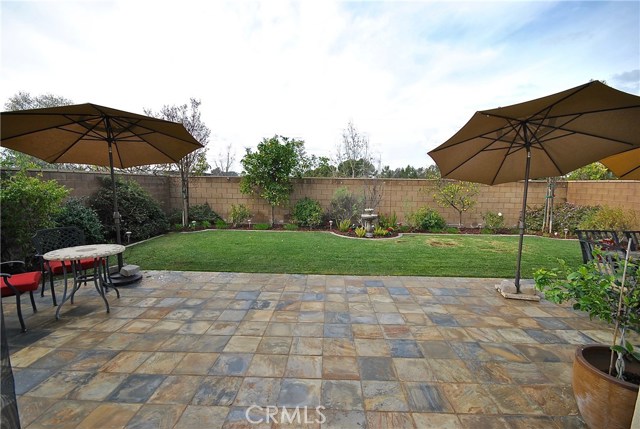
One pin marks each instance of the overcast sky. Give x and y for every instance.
(408, 74)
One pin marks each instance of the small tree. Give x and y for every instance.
(196, 161)
(353, 157)
(458, 195)
(268, 171)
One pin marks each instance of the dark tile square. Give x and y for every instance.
(544, 337)
(26, 379)
(333, 317)
(261, 305)
(551, 323)
(405, 349)
(445, 320)
(373, 283)
(376, 368)
(137, 388)
(337, 330)
(313, 296)
(248, 295)
(217, 391)
(398, 290)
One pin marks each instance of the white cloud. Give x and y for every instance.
(409, 74)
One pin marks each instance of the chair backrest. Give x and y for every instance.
(46, 240)
(634, 237)
(586, 246)
(589, 238)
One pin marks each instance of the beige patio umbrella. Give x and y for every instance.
(545, 137)
(95, 135)
(625, 165)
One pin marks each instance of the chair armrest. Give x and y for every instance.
(7, 275)
(12, 262)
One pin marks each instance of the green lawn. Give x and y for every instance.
(323, 253)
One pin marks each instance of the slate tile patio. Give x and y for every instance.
(216, 350)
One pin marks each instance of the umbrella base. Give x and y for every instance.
(507, 288)
(119, 280)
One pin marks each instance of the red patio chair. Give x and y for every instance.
(17, 284)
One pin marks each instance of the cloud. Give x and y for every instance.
(409, 74)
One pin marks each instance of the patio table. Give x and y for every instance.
(100, 254)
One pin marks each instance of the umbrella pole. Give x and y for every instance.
(116, 213)
(523, 216)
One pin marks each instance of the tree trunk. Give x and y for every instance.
(273, 209)
(184, 178)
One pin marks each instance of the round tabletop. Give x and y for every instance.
(83, 252)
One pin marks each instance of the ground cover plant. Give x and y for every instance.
(324, 253)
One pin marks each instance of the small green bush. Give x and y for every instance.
(205, 224)
(307, 212)
(139, 212)
(610, 218)
(360, 232)
(76, 213)
(290, 226)
(344, 225)
(493, 221)
(239, 214)
(221, 224)
(427, 219)
(380, 231)
(202, 212)
(388, 221)
(261, 226)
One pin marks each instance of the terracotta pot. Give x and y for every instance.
(603, 400)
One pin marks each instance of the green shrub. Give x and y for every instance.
(205, 224)
(239, 214)
(290, 226)
(380, 231)
(344, 225)
(360, 232)
(28, 204)
(388, 221)
(76, 213)
(202, 212)
(221, 224)
(493, 221)
(565, 215)
(610, 218)
(140, 213)
(344, 206)
(307, 212)
(261, 226)
(427, 219)
(175, 217)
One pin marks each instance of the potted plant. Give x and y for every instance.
(605, 379)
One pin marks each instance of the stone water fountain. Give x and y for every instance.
(368, 218)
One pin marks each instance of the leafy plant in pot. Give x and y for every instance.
(605, 379)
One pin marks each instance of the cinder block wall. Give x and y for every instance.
(613, 193)
(85, 183)
(398, 195)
